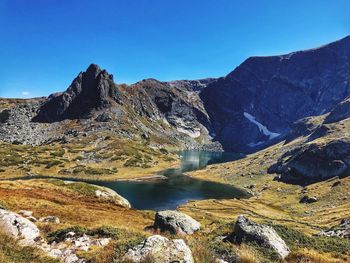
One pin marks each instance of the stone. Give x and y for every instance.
(307, 200)
(175, 222)
(246, 230)
(32, 218)
(336, 183)
(341, 230)
(25, 213)
(160, 249)
(112, 196)
(18, 227)
(50, 219)
(103, 117)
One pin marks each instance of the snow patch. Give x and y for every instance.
(261, 127)
(254, 144)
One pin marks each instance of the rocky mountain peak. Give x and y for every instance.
(93, 70)
(92, 89)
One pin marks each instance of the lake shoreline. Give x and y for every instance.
(166, 188)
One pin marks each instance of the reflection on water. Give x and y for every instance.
(178, 189)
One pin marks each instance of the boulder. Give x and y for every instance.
(112, 196)
(159, 249)
(50, 219)
(17, 226)
(26, 213)
(307, 200)
(246, 230)
(103, 117)
(175, 222)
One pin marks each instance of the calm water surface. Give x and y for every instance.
(178, 188)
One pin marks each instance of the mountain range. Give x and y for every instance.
(254, 106)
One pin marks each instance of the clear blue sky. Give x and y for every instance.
(44, 44)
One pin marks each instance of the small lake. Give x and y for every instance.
(178, 189)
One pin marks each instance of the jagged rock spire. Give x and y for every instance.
(92, 89)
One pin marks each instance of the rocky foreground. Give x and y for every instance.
(74, 222)
(66, 245)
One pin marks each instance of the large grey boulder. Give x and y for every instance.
(159, 249)
(175, 222)
(246, 230)
(111, 196)
(17, 226)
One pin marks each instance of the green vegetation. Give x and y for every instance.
(296, 239)
(79, 187)
(53, 163)
(11, 251)
(109, 159)
(163, 151)
(93, 171)
(58, 153)
(138, 160)
(103, 231)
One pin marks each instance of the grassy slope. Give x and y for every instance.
(98, 157)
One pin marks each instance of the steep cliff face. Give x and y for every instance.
(276, 91)
(180, 108)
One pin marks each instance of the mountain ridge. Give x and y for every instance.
(273, 91)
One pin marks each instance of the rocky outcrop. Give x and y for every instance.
(108, 194)
(192, 85)
(246, 230)
(308, 199)
(315, 162)
(340, 112)
(341, 230)
(28, 234)
(19, 227)
(160, 249)
(50, 219)
(92, 89)
(175, 222)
